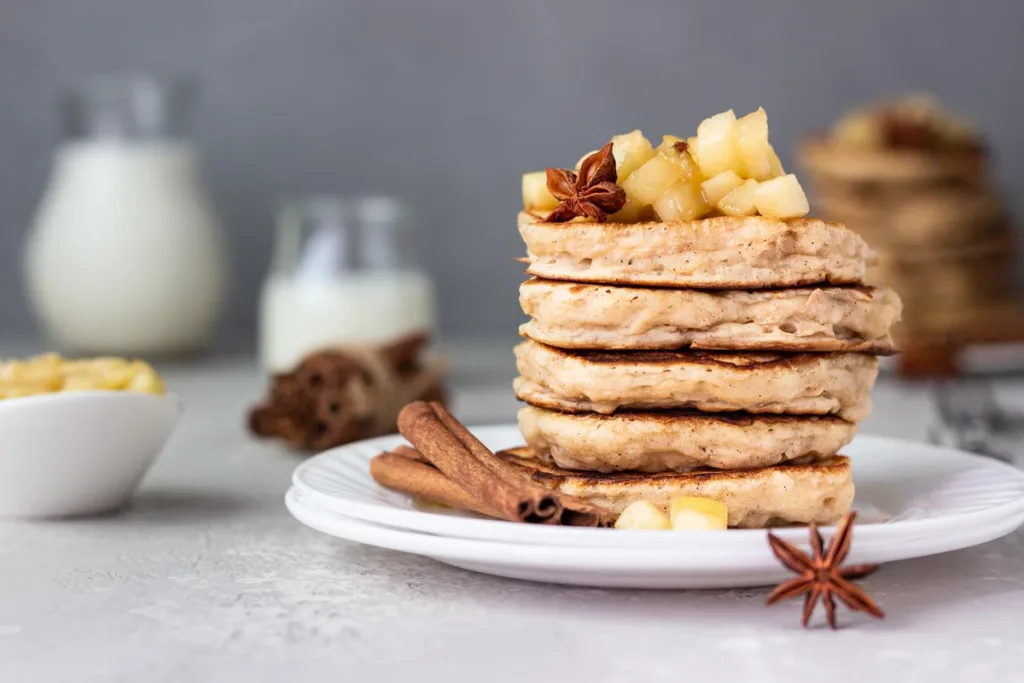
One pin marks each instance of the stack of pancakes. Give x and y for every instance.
(915, 181)
(942, 232)
(728, 358)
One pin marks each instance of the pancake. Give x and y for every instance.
(819, 491)
(826, 158)
(604, 382)
(678, 441)
(574, 316)
(720, 252)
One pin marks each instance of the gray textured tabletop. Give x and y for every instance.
(206, 577)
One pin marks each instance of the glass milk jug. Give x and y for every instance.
(343, 274)
(126, 255)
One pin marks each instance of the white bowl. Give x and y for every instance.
(79, 453)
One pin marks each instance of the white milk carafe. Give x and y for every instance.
(125, 255)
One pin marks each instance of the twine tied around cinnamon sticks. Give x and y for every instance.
(344, 394)
(449, 465)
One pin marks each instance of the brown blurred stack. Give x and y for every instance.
(340, 395)
(913, 182)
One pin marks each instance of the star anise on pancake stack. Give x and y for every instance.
(820, 575)
(593, 193)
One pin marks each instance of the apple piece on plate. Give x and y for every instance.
(781, 198)
(719, 186)
(535, 192)
(643, 515)
(740, 202)
(683, 201)
(717, 149)
(698, 514)
(752, 141)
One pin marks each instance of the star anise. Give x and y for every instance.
(820, 575)
(592, 193)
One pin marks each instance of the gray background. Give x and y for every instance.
(448, 101)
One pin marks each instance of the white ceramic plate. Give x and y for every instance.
(687, 566)
(918, 489)
(935, 500)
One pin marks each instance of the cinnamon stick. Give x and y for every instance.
(405, 351)
(410, 454)
(575, 511)
(415, 478)
(420, 425)
(452, 449)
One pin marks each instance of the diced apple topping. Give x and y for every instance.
(631, 151)
(729, 167)
(774, 165)
(633, 211)
(717, 149)
(752, 140)
(740, 201)
(535, 192)
(590, 153)
(781, 198)
(719, 186)
(915, 121)
(663, 170)
(683, 201)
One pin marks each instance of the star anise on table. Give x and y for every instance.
(592, 193)
(821, 576)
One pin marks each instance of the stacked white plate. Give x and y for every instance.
(913, 500)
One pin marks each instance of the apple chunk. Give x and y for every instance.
(752, 140)
(631, 151)
(648, 182)
(717, 150)
(774, 165)
(740, 202)
(781, 198)
(535, 192)
(683, 201)
(719, 186)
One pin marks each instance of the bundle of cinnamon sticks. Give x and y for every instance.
(344, 394)
(448, 465)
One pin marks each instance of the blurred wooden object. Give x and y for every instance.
(945, 243)
(940, 355)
